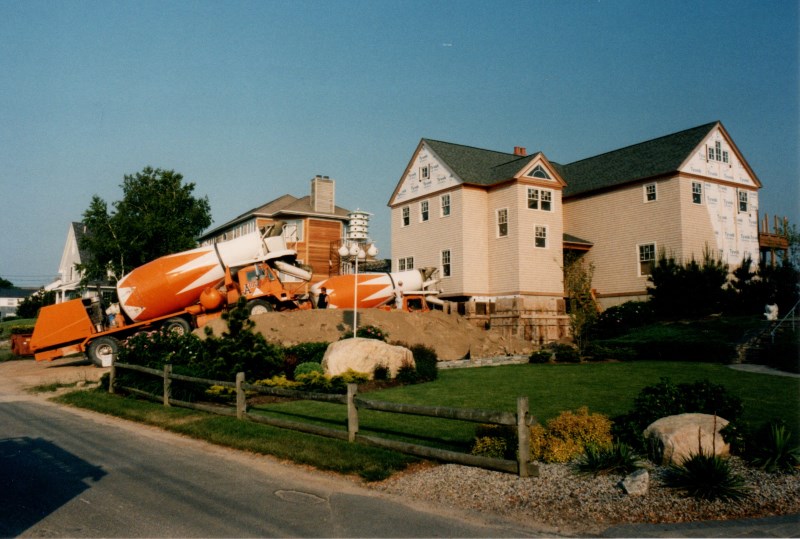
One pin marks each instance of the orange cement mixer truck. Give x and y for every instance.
(177, 292)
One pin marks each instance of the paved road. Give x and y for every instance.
(71, 473)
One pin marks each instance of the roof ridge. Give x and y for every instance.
(650, 141)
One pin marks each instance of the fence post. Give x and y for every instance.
(112, 375)
(352, 412)
(167, 383)
(241, 402)
(523, 435)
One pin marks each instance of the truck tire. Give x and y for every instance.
(103, 350)
(259, 306)
(178, 326)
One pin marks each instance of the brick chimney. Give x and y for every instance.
(322, 194)
(520, 150)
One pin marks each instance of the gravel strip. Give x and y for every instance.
(576, 504)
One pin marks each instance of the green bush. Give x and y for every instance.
(601, 352)
(426, 362)
(565, 353)
(620, 319)
(308, 351)
(407, 374)
(307, 367)
(490, 438)
(381, 372)
(665, 399)
(616, 458)
(774, 450)
(368, 332)
(706, 477)
(540, 356)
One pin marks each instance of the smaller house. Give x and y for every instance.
(313, 226)
(10, 299)
(67, 285)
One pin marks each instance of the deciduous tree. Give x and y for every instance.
(157, 215)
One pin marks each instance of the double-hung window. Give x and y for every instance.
(406, 216)
(647, 258)
(650, 193)
(540, 236)
(697, 192)
(406, 263)
(742, 201)
(502, 223)
(446, 263)
(540, 199)
(445, 201)
(424, 214)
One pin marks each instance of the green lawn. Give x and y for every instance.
(608, 388)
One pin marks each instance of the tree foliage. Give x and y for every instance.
(5, 283)
(158, 215)
(29, 307)
(690, 289)
(583, 309)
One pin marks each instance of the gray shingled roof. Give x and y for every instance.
(648, 159)
(477, 166)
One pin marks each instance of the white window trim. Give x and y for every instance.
(449, 263)
(424, 211)
(405, 216)
(655, 192)
(739, 193)
(701, 193)
(639, 257)
(442, 205)
(546, 230)
(498, 223)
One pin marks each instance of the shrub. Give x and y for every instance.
(314, 381)
(308, 351)
(617, 458)
(620, 319)
(565, 353)
(307, 367)
(407, 374)
(706, 477)
(340, 381)
(568, 434)
(540, 356)
(368, 332)
(490, 438)
(487, 446)
(600, 352)
(775, 451)
(380, 372)
(426, 362)
(665, 399)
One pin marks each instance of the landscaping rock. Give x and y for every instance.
(637, 483)
(684, 435)
(363, 355)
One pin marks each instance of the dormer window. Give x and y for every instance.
(538, 172)
(716, 153)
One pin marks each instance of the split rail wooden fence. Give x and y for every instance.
(521, 419)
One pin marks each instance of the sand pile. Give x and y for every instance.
(452, 336)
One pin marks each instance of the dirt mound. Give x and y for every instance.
(453, 337)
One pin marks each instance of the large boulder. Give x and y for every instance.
(363, 355)
(684, 435)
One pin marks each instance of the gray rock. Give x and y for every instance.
(637, 483)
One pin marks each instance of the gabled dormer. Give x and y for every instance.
(438, 166)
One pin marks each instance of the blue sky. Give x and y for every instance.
(249, 100)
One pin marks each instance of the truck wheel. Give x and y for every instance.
(103, 351)
(178, 326)
(259, 306)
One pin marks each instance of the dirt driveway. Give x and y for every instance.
(24, 373)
